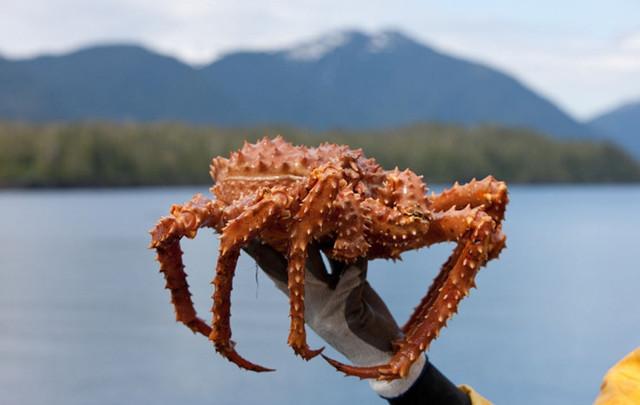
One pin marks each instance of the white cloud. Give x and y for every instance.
(631, 42)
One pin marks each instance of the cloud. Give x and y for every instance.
(631, 42)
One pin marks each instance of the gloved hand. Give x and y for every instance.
(344, 310)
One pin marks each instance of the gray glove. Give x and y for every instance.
(344, 310)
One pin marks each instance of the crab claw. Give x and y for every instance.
(307, 353)
(230, 354)
(379, 372)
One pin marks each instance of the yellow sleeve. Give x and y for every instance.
(476, 399)
(621, 384)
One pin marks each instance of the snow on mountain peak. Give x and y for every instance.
(382, 41)
(316, 49)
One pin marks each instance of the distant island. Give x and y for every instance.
(95, 154)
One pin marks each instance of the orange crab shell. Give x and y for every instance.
(269, 164)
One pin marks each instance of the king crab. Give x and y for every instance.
(290, 196)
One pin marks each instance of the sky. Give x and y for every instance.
(582, 55)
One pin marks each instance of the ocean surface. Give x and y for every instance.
(84, 317)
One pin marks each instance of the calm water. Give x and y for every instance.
(84, 318)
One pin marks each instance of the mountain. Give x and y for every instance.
(621, 125)
(347, 79)
(107, 82)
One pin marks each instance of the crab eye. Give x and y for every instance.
(419, 214)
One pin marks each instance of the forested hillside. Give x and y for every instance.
(102, 154)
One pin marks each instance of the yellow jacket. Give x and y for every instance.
(621, 385)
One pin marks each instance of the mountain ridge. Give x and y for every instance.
(621, 125)
(347, 79)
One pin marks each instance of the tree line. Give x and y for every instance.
(100, 154)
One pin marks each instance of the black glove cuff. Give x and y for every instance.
(432, 388)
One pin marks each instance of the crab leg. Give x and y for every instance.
(165, 238)
(489, 192)
(350, 243)
(427, 300)
(479, 235)
(235, 235)
(445, 227)
(312, 213)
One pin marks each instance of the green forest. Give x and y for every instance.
(96, 154)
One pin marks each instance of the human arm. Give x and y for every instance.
(345, 311)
